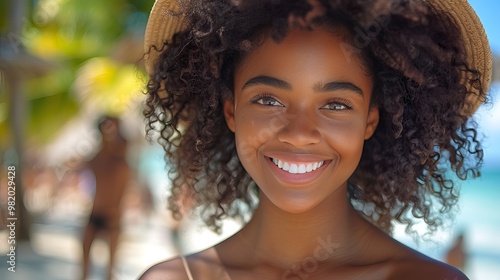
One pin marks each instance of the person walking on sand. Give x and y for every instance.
(112, 174)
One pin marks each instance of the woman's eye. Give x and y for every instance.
(267, 101)
(336, 106)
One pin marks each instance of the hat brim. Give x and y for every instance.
(164, 21)
(475, 42)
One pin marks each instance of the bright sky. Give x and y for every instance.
(488, 11)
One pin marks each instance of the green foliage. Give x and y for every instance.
(71, 34)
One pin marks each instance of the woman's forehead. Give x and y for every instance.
(335, 42)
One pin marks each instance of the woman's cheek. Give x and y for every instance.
(344, 136)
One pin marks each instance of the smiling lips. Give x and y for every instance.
(297, 168)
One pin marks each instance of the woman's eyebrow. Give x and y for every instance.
(268, 81)
(320, 87)
(338, 85)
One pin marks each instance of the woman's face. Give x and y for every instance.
(301, 113)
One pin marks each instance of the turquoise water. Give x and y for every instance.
(481, 201)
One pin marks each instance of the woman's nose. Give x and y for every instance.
(300, 129)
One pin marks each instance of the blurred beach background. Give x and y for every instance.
(63, 64)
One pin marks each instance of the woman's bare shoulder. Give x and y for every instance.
(407, 263)
(172, 269)
(425, 268)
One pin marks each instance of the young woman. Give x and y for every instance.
(329, 120)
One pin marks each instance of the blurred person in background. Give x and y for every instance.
(456, 255)
(112, 175)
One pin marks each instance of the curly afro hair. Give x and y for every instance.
(421, 84)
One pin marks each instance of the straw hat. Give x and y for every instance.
(166, 19)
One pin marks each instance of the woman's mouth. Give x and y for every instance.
(297, 168)
(297, 172)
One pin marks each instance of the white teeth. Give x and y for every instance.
(302, 168)
(297, 168)
(309, 167)
(286, 166)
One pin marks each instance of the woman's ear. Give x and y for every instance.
(229, 114)
(372, 122)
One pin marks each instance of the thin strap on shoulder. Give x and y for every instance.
(186, 267)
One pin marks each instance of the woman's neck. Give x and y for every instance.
(331, 231)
